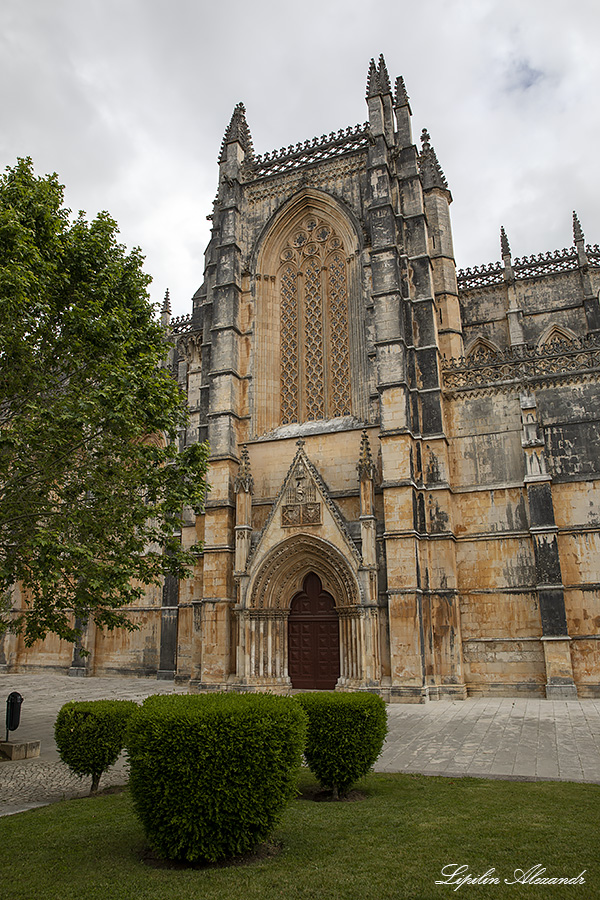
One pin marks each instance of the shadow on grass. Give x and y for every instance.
(318, 794)
(265, 851)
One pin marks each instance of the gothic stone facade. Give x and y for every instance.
(404, 461)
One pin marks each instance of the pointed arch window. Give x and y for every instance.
(315, 358)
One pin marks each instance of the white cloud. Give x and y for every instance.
(128, 100)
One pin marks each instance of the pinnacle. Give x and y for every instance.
(166, 307)
(504, 245)
(577, 230)
(372, 81)
(245, 460)
(365, 466)
(243, 479)
(384, 78)
(237, 131)
(378, 80)
(431, 171)
(400, 95)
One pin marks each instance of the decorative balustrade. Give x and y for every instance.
(559, 358)
(546, 263)
(480, 276)
(593, 254)
(535, 266)
(181, 324)
(328, 146)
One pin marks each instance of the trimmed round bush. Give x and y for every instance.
(346, 732)
(90, 735)
(211, 773)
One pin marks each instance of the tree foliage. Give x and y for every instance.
(92, 480)
(90, 735)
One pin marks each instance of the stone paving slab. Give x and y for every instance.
(556, 740)
(524, 739)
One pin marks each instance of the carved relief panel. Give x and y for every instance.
(301, 506)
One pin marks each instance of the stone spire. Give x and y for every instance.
(243, 479)
(379, 101)
(237, 132)
(431, 171)
(378, 80)
(577, 230)
(365, 466)
(372, 81)
(384, 79)
(590, 300)
(504, 245)
(165, 313)
(400, 95)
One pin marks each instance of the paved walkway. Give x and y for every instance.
(489, 738)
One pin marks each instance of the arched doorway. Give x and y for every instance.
(313, 638)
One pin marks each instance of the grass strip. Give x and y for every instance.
(391, 844)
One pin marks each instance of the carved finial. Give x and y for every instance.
(372, 80)
(237, 131)
(365, 466)
(431, 171)
(504, 245)
(400, 95)
(243, 479)
(383, 77)
(577, 231)
(300, 443)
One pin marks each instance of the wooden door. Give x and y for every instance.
(313, 638)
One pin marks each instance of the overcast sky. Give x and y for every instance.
(127, 100)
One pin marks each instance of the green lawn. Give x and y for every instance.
(392, 844)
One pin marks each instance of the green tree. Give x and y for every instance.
(92, 480)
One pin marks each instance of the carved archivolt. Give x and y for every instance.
(283, 571)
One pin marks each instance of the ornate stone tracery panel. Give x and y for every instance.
(315, 357)
(310, 361)
(338, 320)
(289, 342)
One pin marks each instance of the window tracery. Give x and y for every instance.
(315, 359)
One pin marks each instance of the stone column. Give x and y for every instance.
(263, 661)
(538, 485)
(244, 487)
(81, 663)
(366, 477)
(167, 665)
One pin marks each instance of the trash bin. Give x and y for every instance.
(13, 712)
